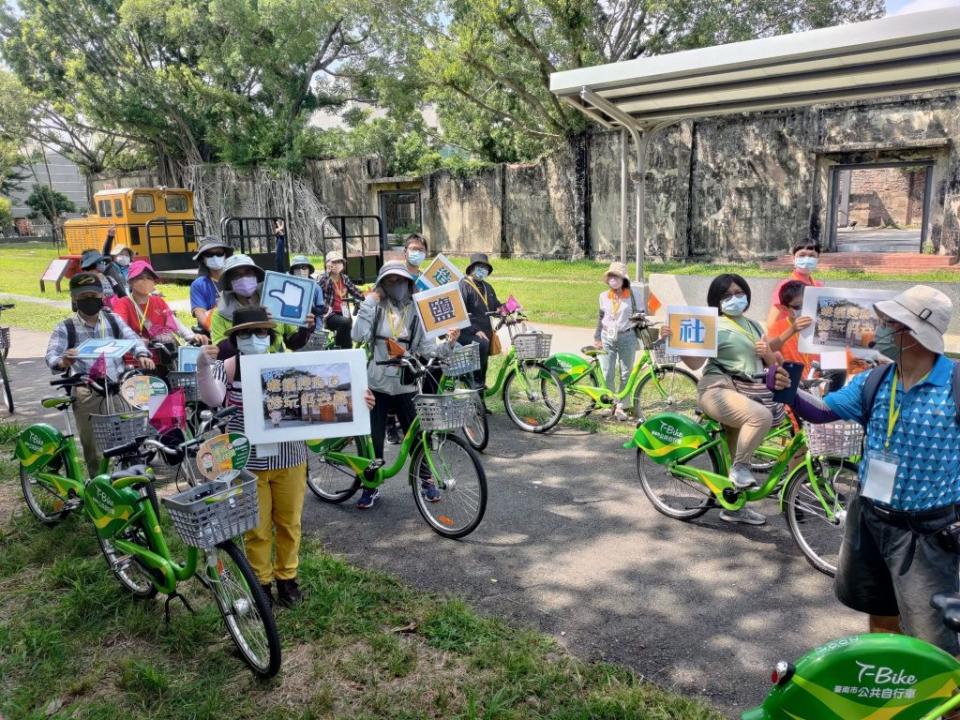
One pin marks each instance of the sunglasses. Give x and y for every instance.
(247, 334)
(212, 253)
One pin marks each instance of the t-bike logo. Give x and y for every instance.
(884, 675)
(103, 500)
(667, 433)
(34, 442)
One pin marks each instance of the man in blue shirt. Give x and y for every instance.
(894, 555)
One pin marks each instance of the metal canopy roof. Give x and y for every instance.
(891, 56)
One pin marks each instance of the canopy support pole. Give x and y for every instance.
(624, 188)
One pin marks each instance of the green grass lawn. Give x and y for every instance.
(362, 646)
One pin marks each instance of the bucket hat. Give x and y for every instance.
(479, 259)
(238, 261)
(90, 258)
(210, 242)
(617, 269)
(396, 268)
(333, 256)
(923, 309)
(138, 268)
(299, 260)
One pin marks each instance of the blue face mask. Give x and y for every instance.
(415, 257)
(734, 306)
(253, 345)
(805, 264)
(481, 273)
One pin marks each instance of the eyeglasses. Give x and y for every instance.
(738, 294)
(247, 334)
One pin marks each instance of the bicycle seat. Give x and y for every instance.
(591, 351)
(949, 606)
(132, 471)
(59, 402)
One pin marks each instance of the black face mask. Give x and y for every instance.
(90, 306)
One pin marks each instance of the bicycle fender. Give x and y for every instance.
(864, 676)
(568, 367)
(37, 446)
(667, 437)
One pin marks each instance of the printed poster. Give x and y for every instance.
(441, 310)
(187, 358)
(694, 331)
(842, 318)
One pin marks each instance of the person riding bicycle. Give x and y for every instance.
(336, 287)
(388, 314)
(93, 261)
(615, 332)
(91, 320)
(150, 316)
(900, 534)
(480, 298)
(301, 266)
(211, 256)
(727, 391)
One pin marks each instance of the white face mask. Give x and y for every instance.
(253, 345)
(302, 272)
(416, 257)
(214, 262)
(123, 260)
(615, 283)
(805, 264)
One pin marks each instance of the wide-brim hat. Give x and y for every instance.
(238, 261)
(333, 256)
(254, 317)
(141, 267)
(395, 268)
(84, 282)
(923, 309)
(617, 269)
(211, 243)
(89, 259)
(301, 260)
(479, 259)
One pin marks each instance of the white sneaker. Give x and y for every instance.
(741, 476)
(619, 414)
(743, 515)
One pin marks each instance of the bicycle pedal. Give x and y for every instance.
(372, 468)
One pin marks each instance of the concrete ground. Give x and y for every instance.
(571, 546)
(878, 240)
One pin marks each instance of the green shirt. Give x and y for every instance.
(736, 354)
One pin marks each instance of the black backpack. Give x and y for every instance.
(868, 391)
(72, 329)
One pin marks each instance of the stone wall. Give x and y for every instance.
(885, 197)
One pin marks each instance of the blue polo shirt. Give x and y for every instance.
(203, 293)
(926, 438)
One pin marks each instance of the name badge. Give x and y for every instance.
(880, 476)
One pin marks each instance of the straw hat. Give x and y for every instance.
(617, 269)
(251, 318)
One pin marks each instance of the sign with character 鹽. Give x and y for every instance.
(693, 331)
(441, 310)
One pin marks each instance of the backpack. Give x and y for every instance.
(868, 391)
(72, 329)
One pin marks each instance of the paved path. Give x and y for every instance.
(570, 546)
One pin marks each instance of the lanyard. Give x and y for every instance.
(397, 327)
(141, 314)
(483, 295)
(894, 413)
(340, 288)
(616, 300)
(739, 329)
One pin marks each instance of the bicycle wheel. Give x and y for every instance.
(677, 497)
(817, 534)
(245, 609)
(457, 473)
(674, 390)
(47, 505)
(533, 397)
(7, 390)
(578, 404)
(330, 480)
(477, 429)
(128, 572)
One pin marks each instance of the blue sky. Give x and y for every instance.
(895, 7)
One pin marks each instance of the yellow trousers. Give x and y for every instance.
(280, 496)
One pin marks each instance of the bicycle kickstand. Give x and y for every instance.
(166, 606)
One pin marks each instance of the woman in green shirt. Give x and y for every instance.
(727, 391)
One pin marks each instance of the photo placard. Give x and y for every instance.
(187, 358)
(842, 318)
(288, 298)
(694, 331)
(441, 310)
(439, 272)
(304, 396)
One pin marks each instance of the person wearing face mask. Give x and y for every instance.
(113, 273)
(898, 546)
(728, 392)
(614, 332)
(388, 314)
(480, 298)
(414, 253)
(337, 288)
(149, 315)
(806, 256)
(301, 266)
(91, 320)
(240, 287)
(110, 282)
(122, 257)
(211, 256)
(783, 333)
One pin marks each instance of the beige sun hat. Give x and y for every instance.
(923, 309)
(333, 256)
(618, 269)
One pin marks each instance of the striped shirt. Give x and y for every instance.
(101, 329)
(290, 454)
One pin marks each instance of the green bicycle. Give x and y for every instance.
(683, 467)
(125, 513)
(868, 677)
(447, 479)
(656, 383)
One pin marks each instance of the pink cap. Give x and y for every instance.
(138, 268)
